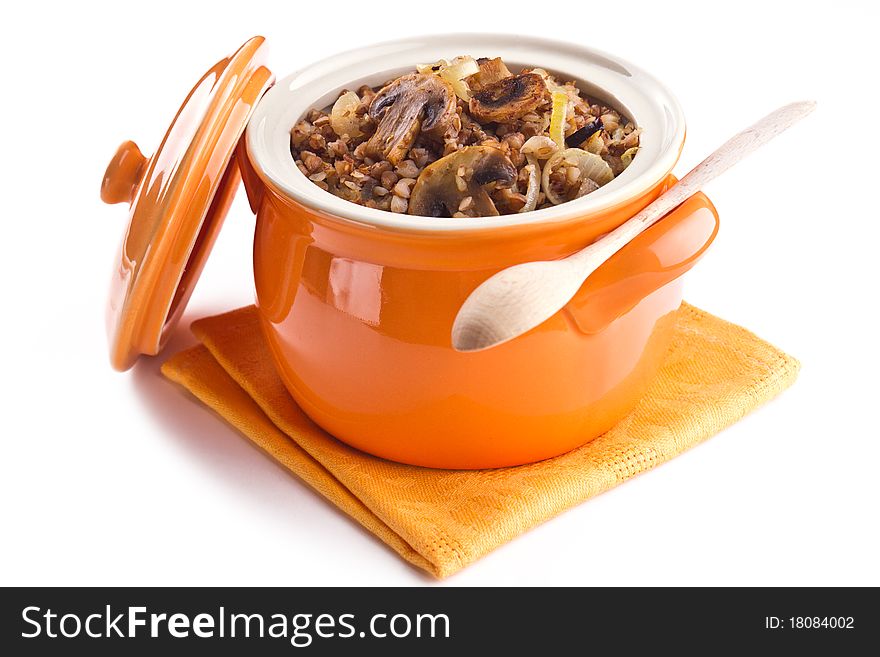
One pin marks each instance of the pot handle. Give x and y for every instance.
(658, 256)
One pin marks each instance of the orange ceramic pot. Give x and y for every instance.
(358, 304)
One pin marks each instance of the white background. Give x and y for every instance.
(112, 478)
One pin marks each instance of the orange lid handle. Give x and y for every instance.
(658, 256)
(123, 175)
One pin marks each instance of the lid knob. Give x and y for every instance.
(123, 175)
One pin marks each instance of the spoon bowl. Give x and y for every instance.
(519, 298)
(514, 293)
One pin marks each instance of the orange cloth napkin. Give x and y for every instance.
(442, 520)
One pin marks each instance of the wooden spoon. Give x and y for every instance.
(521, 297)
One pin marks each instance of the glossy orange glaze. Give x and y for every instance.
(178, 199)
(359, 320)
(358, 317)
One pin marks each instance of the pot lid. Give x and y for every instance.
(178, 199)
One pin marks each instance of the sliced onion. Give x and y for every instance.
(454, 73)
(558, 117)
(591, 166)
(595, 144)
(628, 155)
(343, 116)
(541, 146)
(551, 85)
(431, 68)
(534, 184)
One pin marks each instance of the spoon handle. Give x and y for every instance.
(728, 154)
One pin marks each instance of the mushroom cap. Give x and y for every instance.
(509, 98)
(407, 106)
(491, 71)
(444, 185)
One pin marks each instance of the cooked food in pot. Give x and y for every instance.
(464, 138)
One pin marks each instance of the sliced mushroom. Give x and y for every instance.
(409, 105)
(444, 187)
(509, 98)
(491, 71)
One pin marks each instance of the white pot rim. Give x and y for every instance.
(637, 93)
